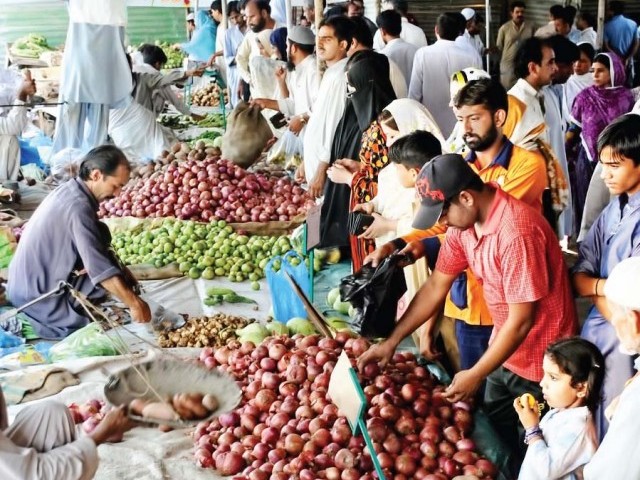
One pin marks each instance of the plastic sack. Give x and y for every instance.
(287, 150)
(65, 164)
(247, 134)
(89, 341)
(7, 340)
(374, 293)
(285, 301)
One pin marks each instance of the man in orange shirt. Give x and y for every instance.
(481, 106)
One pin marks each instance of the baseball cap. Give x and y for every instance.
(438, 181)
(622, 285)
(301, 35)
(468, 13)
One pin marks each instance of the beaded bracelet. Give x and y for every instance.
(531, 433)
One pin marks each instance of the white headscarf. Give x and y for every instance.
(411, 115)
(575, 84)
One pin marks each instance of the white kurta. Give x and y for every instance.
(327, 112)
(249, 48)
(161, 89)
(11, 126)
(432, 69)
(402, 53)
(465, 42)
(303, 85)
(409, 33)
(572, 88)
(393, 201)
(41, 445)
(397, 79)
(588, 35)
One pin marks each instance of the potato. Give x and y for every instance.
(136, 406)
(210, 402)
(189, 405)
(160, 411)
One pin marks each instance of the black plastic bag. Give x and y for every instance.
(374, 293)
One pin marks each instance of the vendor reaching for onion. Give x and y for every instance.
(65, 241)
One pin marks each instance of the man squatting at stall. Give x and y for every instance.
(64, 240)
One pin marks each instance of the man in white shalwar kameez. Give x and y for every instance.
(95, 73)
(334, 38)
(41, 443)
(13, 121)
(398, 51)
(432, 70)
(258, 15)
(410, 33)
(301, 84)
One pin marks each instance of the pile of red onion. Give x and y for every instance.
(209, 189)
(287, 427)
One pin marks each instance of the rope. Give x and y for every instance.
(122, 348)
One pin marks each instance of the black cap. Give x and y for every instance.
(438, 181)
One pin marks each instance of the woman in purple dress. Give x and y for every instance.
(593, 109)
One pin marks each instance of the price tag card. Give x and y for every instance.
(345, 391)
(313, 227)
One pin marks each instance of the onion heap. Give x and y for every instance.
(286, 426)
(206, 188)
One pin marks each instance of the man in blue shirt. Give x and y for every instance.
(621, 35)
(613, 237)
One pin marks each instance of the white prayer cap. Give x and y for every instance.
(301, 35)
(468, 13)
(623, 285)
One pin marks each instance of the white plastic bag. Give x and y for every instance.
(65, 164)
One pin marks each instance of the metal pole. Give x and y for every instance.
(289, 14)
(600, 37)
(487, 28)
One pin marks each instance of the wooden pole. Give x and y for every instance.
(600, 37)
(318, 8)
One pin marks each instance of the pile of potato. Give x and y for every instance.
(182, 406)
(180, 152)
(208, 96)
(198, 332)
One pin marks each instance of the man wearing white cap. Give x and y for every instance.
(191, 23)
(472, 31)
(301, 87)
(409, 33)
(619, 453)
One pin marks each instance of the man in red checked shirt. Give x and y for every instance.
(515, 255)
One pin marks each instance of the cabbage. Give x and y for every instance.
(277, 328)
(300, 325)
(334, 295)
